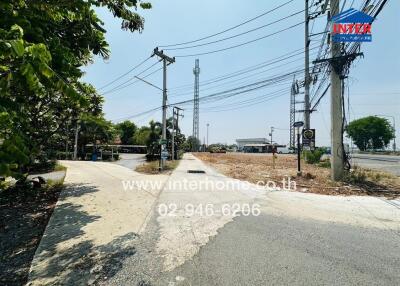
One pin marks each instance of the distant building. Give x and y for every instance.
(249, 141)
(256, 145)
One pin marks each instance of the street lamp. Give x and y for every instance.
(394, 128)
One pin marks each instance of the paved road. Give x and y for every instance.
(94, 224)
(298, 239)
(385, 163)
(130, 161)
(100, 234)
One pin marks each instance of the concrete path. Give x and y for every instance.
(94, 224)
(296, 239)
(131, 161)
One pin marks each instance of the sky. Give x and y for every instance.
(374, 86)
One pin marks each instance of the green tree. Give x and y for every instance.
(370, 132)
(43, 47)
(192, 144)
(126, 130)
(141, 136)
(95, 130)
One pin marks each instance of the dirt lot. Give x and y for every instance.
(316, 179)
(23, 219)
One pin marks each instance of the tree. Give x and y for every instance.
(192, 144)
(126, 132)
(141, 136)
(43, 47)
(370, 132)
(95, 130)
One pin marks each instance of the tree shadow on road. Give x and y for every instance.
(65, 257)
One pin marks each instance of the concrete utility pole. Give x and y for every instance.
(270, 134)
(292, 131)
(208, 125)
(175, 111)
(337, 162)
(307, 69)
(196, 72)
(166, 61)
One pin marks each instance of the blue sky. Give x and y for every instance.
(374, 80)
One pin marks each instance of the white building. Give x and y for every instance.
(251, 141)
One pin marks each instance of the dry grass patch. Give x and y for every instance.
(152, 167)
(316, 178)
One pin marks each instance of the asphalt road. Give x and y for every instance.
(385, 163)
(298, 239)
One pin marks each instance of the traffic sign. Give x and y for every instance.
(308, 139)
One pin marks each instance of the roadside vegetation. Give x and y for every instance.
(25, 212)
(44, 45)
(152, 167)
(371, 133)
(315, 177)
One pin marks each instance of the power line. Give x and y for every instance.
(231, 28)
(121, 76)
(237, 35)
(242, 44)
(125, 83)
(247, 69)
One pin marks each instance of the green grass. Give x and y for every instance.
(152, 167)
(59, 167)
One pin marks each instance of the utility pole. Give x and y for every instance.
(166, 61)
(196, 72)
(175, 111)
(270, 134)
(307, 68)
(208, 125)
(337, 162)
(292, 131)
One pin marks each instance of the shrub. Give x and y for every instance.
(313, 157)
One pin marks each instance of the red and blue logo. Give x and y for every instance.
(352, 26)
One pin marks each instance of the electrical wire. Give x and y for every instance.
(237, 35)
(231, 28)
(241, 44)
(127, 83)
(126, 73)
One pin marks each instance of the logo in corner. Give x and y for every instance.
(352, 26)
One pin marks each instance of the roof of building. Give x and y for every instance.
(255, 145)
(253, 139)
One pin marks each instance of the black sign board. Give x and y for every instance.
(308, 137)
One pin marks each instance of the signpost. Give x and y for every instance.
(308, 136)
(298, 125)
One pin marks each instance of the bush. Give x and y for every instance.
(313, 157)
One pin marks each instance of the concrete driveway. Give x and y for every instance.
(131, 161)
(95, 223)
